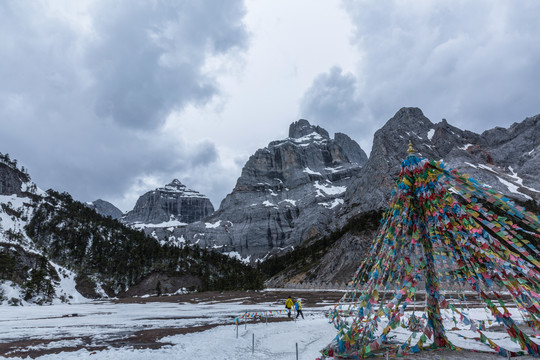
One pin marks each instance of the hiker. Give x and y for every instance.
(288, 305)
(298, 307)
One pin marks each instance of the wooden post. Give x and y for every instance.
(252, 343)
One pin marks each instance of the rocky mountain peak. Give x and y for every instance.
(407, 122)
(174, 203)
(105, 208)
(303, 128)
(175, 183)
(285, 195)
(506, 159)
(176, 186)
(354, 152)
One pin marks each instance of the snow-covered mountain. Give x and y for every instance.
(56, 249)
(508, 160)
(309, 186)
(171, 205)
(314, 197)
(285, 195)
(26, 276)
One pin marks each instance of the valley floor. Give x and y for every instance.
(194, 326)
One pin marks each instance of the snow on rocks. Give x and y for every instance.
(326, 189)
(332, 204)
(213, 225)
(430, 133)
(311, 172)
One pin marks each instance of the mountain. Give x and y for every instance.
(172, 205)
(285, 195)
(56, 249)
(507, 160)
(105, 208)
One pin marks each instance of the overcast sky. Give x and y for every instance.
(111, 99)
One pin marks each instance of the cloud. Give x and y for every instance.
(148, 57)
(332, 98)
(87, 86)
(473, 63)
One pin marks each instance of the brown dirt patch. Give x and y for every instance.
(309, 298)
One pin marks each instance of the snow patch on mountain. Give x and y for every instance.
(308, 139)
(213, 225)
(269, 204)
(292, 202)
(513, 188)
(65, 290)
(236, 255)
(177, 187)
(311, 172)
(332, 204)
(325, 190)
(519, 180)
(165, 224)
(334, 169)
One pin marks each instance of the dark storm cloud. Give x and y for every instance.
(475, 63)
(82, 99)
(148, 56)
(332, 97)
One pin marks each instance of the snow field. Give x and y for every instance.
(66, 325)
(97, 324)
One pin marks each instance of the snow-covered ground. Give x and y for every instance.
(97, 325)
(200, 330)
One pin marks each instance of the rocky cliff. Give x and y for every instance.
(12, 180)
(508, 160)
(173, 204)
(285, 195)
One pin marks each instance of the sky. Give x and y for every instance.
(111, 99)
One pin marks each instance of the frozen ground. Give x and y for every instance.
(193, 329)
(196, 327)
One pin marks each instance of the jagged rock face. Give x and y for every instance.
(12, 180)
(105, 208)
(508, 160)
(174, 202)
(286, 194)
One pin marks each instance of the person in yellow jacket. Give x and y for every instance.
(288, 305)
(298, 307)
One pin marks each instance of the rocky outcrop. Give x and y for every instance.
(285, 196)
(12, 180)
(105, 208)
(174, 204)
